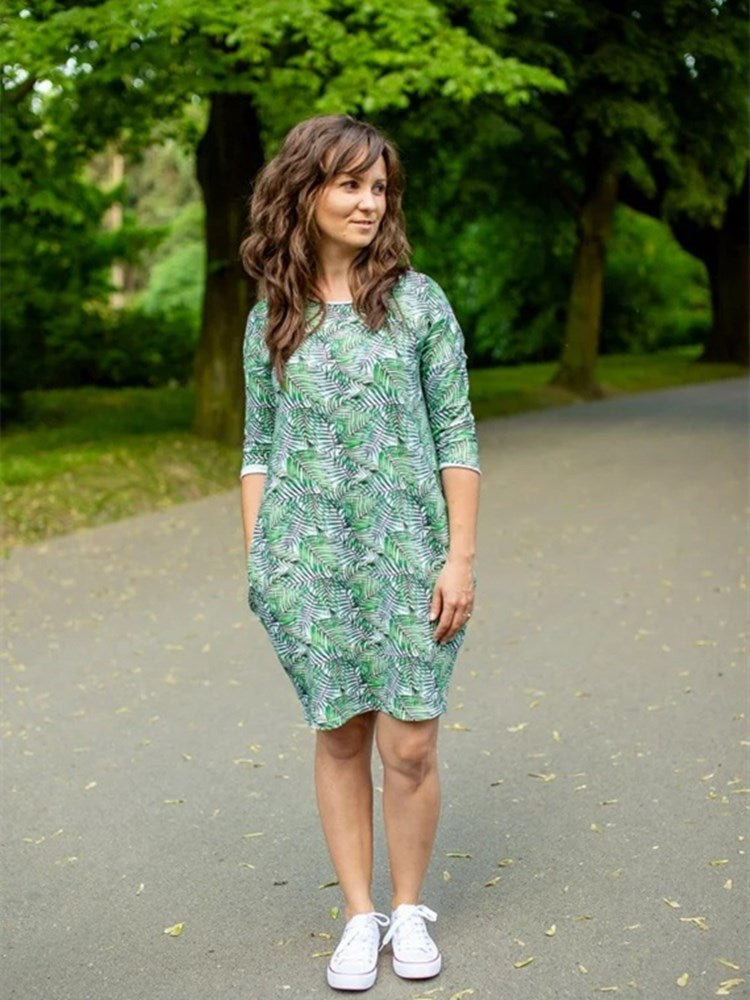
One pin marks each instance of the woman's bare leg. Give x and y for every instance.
(411, 800)
(343, 783)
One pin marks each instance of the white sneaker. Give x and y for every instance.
(415, 954)
(354, 963)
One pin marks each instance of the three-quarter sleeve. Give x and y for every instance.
(260, 395)
(445, 384)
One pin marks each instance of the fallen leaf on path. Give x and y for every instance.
(582, 969)
(458, 727)
(492, 881)
(518, 728)
(719, 862)
(728, 964)
(334, 913)
(699, 922)
(248, 836)
(456, 854)
(505, 862)
(727, 986)
(672, 902)
(329, 885)
(551, 930)
(461, 994)
(522, 963)
(322, 954)
(175, 930)
(683, 980)
(542, 776)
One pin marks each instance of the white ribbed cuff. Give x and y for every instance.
(248, 470)
(459, 465)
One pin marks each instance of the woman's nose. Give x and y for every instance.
(367, 199)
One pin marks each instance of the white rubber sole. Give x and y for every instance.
(418, 970)
(351, 981)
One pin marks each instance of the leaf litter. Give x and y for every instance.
(726, 987)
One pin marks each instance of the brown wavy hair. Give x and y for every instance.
(280, 251)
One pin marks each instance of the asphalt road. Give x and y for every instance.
(595, 824)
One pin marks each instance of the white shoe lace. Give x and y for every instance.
(408, 928)
(360, 939)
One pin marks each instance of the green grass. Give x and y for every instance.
(89, 456)
(501, 392)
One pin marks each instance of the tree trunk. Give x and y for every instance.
(726, 255)
(584, 315)
(229, 156)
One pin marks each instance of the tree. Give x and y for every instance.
(701, 187)
(121, 66)
(618, 123)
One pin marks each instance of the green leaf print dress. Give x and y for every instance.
(352, 529)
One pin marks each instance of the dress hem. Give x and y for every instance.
(321, 728)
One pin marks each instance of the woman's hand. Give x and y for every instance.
(452, 598)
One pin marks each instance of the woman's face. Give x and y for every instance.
(350, 208)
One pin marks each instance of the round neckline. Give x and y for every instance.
(340, 302)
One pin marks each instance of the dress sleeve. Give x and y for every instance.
(445, 383)
(260, 396)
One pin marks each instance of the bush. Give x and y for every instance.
(655, 295)
(127, 348)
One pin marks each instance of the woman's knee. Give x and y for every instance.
(411, 754)
(348, 741)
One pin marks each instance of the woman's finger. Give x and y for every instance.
(453, 621)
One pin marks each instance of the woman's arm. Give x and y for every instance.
(251, 486)
(453, 597)
(260, 417)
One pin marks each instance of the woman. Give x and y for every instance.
(360, 485)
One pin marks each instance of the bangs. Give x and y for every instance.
(355, 154)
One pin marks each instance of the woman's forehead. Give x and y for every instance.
(352, 158)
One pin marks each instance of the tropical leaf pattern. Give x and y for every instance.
(352, 529)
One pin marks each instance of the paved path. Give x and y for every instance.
(156, 771)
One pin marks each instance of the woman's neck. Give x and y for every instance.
(333, 278)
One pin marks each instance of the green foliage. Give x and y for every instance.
(137, 63)
(656, 295)
(124, 347)
(175, 280)
(55, 256)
